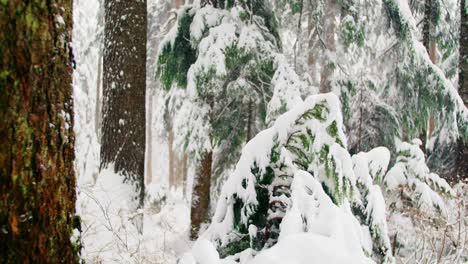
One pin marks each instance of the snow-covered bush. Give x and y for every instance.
(426, 217)
(294, 181)
(369, 168)
(415, 185)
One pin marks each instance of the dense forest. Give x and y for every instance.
(234, 131)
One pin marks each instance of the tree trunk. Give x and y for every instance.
(332, 10)
(463, 66)
(97, 118)
(431, 47)
(201, 194)
(170, 145)
(37, 180)
(462, 155)
(123, 131)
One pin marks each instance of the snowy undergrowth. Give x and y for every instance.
(104, 203)
(427, 217)
(109, 233)
(293, 184)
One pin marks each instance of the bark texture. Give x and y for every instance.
(431, 47)
(201, 194)
(37, 181)
(462, 157)
(463, 67)
(332, 10)
(123, 131)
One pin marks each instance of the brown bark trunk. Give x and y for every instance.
(180, 170)
(37, 180)
(170, 143)
(201, 194)
(124, 85)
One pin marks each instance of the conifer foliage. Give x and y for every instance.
(222, 71)
(290, 179)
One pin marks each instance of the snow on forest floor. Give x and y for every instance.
(109, 224)
(110, 234)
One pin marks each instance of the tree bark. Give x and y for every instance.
(332, 10)
(124, 85)
(37, 180)
(201, 194)
(431, 47)
(462, 155)
(170, 145)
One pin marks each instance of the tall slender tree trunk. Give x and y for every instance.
(97, 118)
(177, 160)
(124, 88)
(431, 47)
(201, 194)
(37, 180)
(172, 156)
(331, 12)
(462, 157)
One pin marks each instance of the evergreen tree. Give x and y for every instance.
(224, 80)
(388, 85)
(123, 131)
(289, 179)
(37, 188)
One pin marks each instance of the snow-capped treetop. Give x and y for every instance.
(225, 76)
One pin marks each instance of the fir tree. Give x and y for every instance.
(223, 74)
(301, 159)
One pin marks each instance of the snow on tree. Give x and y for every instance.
(295, 178)
(418, 187)
(369, 169)
(420, 203)
(225, 80)
(386, 81)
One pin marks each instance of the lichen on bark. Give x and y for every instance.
(37, 181)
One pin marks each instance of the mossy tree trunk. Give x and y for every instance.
(37, 181)
(124, 85)
(201, 194)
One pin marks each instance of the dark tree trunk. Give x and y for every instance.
(37, 180)
(123, 131)
(431, 48)
(463, 66)
(201, 194)
(462, 155)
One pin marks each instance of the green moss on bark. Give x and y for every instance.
(37, 195)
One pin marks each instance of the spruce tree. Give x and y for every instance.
(289, 177)
(221, 71)
(388, 85)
